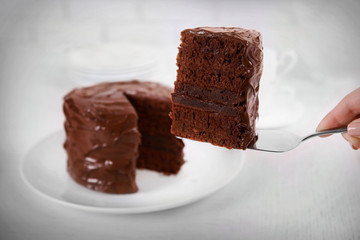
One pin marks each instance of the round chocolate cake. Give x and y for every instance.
(113, 128)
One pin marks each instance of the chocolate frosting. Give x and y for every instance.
(101, 139)
(249, 35)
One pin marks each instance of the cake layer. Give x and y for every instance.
(159, 160)
(153, 112)
(165, 144)
(158, 103)
(220, 130)
(220, 57)
(155, 124)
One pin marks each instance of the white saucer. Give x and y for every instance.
(112, 62)
(207, 169)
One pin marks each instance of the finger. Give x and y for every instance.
(354, 133)
(347, 110)
(354, 128)
(345, 136)
(353, 141)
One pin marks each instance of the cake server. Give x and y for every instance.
(277, 140)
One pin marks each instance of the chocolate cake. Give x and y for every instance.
(104, 125)
(215, 98)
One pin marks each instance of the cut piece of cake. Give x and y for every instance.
(159, 150)
(103, 127)
(215, 98)
(102, 139)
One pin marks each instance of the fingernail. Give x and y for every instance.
(346, 136)
(353, 147)
(354, 128)
(354, 142)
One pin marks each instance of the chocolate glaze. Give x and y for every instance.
(227, 97)
(219, 72)
(101, 139)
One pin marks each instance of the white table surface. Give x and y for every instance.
(312, 192)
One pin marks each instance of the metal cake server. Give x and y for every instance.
(277, 140)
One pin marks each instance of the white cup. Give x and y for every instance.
(277, 95)
(277, 65)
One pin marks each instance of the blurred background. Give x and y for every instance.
(48, 47)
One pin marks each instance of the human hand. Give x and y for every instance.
(346, 113)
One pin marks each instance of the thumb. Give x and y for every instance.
(354, 128)
(353, 133)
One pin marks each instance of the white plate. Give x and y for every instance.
(207, 169)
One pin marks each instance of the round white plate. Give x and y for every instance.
(207, 169)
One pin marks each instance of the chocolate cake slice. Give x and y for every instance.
(215, 98)
(102, 139)
(103, 126)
